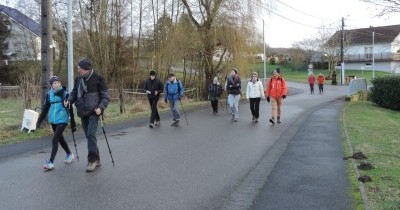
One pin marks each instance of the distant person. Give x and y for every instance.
(233, 87)
(321, 81)
(173, 94)
(311, 82)
(215, 90)
(276, 91)
(254, 92)
(91, 97)
(58, 119)
(153, 88)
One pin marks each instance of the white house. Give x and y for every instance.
(378, 44)
(24, 41)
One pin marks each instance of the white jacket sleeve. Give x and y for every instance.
(248, 90)
(261, 90)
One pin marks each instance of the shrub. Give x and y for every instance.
(386, 92)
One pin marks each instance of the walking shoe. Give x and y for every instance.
(93, 165)
(253, 118)
(151, 125)
(256, 120)
(69, 158)
(279, 120)
(175, 123)
(272, 121)
(236, 120)
(233, 117)
(48, 166)
(157, 122)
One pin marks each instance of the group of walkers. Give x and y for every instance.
(91, 96)
(275, 91)
(321, 81)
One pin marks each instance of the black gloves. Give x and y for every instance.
(268, 99)
(284, 96)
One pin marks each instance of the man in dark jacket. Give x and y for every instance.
(153, 87)
(90, 95)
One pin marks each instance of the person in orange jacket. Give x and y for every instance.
(276, 91)
(321, 81)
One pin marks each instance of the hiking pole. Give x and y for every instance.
(184, 113)
(73, 128)
(105, 136)
(221, 105)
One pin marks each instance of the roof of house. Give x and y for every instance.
(383, 34)
(22, 19)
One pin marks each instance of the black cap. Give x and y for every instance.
(86, 64)
(278, 70)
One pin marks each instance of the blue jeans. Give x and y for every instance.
(89, 125)
(233, 101)
(174, 105)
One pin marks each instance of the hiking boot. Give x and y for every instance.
(272, 121)
(256, 120)
(68, 158)
(151, 125)
(157, 122)
(236, 120)
(48, 166)
(175, 123)
(278, 120)
(93, 165)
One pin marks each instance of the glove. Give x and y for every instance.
(165, 100)
(148, 92)
(284, 96)
(268, 99)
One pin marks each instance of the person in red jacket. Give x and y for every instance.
(276, 91)
(311, 81)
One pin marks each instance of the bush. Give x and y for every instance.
(386, 92)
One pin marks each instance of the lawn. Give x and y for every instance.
(375, 132)
(301, 76)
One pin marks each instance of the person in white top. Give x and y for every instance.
(255, 91)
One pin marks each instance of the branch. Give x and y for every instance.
(190, 13)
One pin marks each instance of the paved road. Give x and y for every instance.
(205, 165)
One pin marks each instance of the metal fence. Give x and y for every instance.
(356, 85)
(9, 91)
(139, 94)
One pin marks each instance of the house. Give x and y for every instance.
(378, 44)
(24, 41)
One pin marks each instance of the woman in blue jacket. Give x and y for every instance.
(58, 119)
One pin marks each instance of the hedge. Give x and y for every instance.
(386, 92)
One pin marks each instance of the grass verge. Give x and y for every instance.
(11, 115)
(374, 131)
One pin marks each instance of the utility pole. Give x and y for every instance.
(265, 56)
(47, 46)
(373, 55)
(70, 48)
(341, 55)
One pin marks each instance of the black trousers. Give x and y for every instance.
(312, 88)
(154, 112)
(58, 137)
(214, 104)
(255, 107)
(321, 88)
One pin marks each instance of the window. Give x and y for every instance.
(368, 53)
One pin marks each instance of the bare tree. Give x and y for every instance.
(385, 7)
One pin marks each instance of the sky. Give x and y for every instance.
(295, 20)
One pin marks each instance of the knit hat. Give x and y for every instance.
(215, 80)
(278, 70)
(153, 73)
(86, 64)
(53, 79)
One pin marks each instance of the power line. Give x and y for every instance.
(286, 18)
(301, 11)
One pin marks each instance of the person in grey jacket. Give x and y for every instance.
(91, 97)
